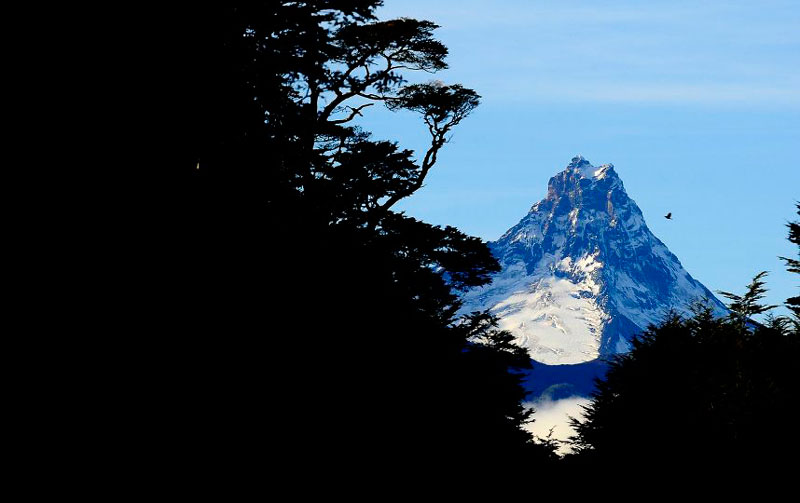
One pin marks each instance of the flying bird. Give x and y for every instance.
(668, 216)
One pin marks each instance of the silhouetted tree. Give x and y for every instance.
(313, 324)
(793, 265)
(696, 393)
(743, 307)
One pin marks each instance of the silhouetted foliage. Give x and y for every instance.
(793, 265)
(697, 393)
(309, 318)
(742, 307)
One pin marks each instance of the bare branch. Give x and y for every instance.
(355, 111)
(376, 97)
(356, 89)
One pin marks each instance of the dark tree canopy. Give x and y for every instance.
(744, 307)
(793, 265)
(309, 317)
(697, 393)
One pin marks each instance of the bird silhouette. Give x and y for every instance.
(668, 216)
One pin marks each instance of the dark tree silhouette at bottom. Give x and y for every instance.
(309, 327)
(696, 393)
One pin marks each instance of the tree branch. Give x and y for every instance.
(427, 163)
(355, 111)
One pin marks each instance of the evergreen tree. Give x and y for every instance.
(793, 265)
(743, 307)
(694, 393)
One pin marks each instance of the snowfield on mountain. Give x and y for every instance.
(581, 272)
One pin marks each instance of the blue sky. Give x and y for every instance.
(697, 104)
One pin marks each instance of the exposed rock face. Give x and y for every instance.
(582, 273)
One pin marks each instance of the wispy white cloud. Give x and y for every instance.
(715, 52)
(646, 92)
(554, 416)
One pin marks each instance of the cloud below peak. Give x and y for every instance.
(554, 416)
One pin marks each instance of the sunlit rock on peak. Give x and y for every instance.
(582, 273)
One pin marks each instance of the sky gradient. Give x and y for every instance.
(697, 104)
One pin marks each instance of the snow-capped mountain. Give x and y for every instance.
(582, 273)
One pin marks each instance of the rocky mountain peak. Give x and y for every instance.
(582, 273)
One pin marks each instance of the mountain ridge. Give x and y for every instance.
(582, 273)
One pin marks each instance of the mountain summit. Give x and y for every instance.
(581, 272)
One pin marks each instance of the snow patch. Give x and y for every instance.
(622, 346)
(586, 170)
(581, 259)
(558, 319)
